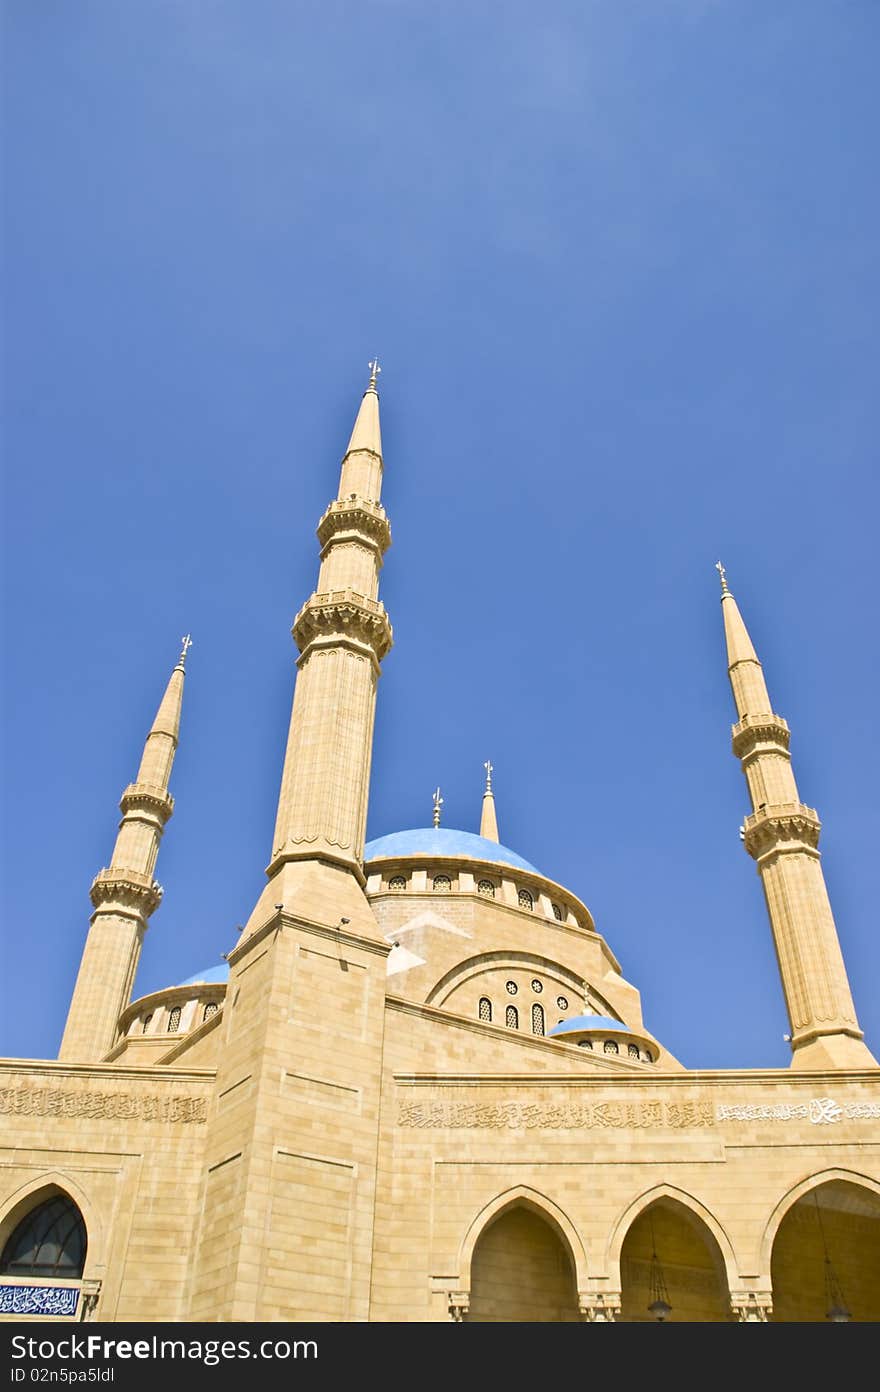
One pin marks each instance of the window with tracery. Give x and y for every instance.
(486, 1009)
(511, 987)
(486, 887)
(537, 986)
(210, 1010)
(557, 912)
(585, 1043)
(562, 1002)
(512, 1017)
(49, 1241)
(174, 1020)
(147, 1022)
(611, 1046)
(525, 899)
(537, 1019)
(442, 884)
(632, 1050)
(397, 882)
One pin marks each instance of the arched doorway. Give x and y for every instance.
(826, 1256)
(670, 1258)
(522, 1271)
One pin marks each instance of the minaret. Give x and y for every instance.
(488, 820)
(125, 894)
(305, 1008)
(342, 633)
(782, 835)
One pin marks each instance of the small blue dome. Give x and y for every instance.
(211, 976)
(443, 841)
(590, 1022)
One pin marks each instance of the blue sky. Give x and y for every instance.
(619, 261)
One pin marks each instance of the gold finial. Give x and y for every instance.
(488, 766)
(438, 803)
(187, 644)
(721, 571)
(375, 369)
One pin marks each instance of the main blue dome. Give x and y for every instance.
(443, 841)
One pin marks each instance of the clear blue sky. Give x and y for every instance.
(619, 261)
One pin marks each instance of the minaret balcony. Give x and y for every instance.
(148, 798)
(755, 731)
(782, 826)
(355, 519)
(126, 890)
(344, 615)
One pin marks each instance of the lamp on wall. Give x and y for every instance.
(835, 1300)
(659, 1308)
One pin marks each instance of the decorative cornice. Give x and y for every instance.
(754, 730)
(128, 889)
(752, 1307)
(344, 616)
(601, 1307)
(147, 797)
(359, 518)
(781, 826)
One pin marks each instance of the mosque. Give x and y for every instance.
(420, 1088)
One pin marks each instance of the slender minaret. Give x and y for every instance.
(125, 894)
(305, 1006)
(342, 633)
(782, 835)
(488, 820)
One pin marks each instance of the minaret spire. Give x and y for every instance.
(125, 894)
(782, 835)
(488, 819)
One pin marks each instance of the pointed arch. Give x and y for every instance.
(523, 1197)
(38, 1190)
(797, 1191)
(688, 1201)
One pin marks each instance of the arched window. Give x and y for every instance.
(49, 1241)
(585, 1043)
(537, 1019)
(511, 1017)
(611, 1046)
(397, 882)
(648, 1056)
(210, 1009)
(557, 912)
(486, 1009)
(147, 1022)
(632, 1050)
(486, 887)
(442, 884)
(525, 900)
(174, 1020)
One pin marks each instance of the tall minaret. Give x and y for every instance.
(342, 633)
(782, 835)
(488, 819)
(305, 1006)
(125, 894)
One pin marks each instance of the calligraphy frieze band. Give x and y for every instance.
(529, 1116)
(54, 1301)
(105, 1105)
